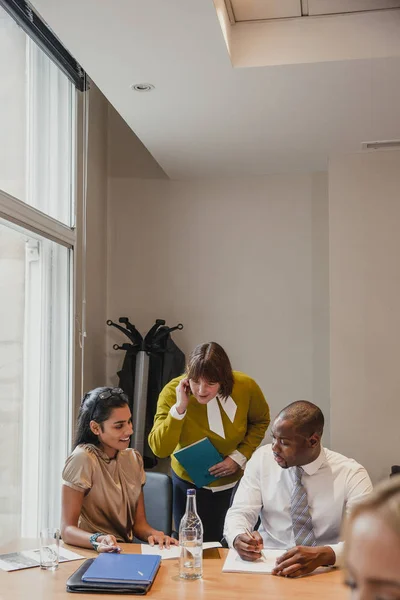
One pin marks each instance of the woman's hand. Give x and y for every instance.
(107, 543)
(182, 395)
(164, 541)
(224, 468)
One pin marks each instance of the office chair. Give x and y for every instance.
(157, 493)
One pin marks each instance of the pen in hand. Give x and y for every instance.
(250, 534)
(104, 545)
(253, 537)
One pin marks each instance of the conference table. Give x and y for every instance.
(35, 583)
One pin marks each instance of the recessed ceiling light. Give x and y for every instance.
(142, 87)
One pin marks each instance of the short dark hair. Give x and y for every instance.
(306, 416)
(210, 362)
(95, 408)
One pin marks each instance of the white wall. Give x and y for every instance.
(364, 215)
(240, 262)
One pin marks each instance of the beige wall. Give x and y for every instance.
(364, 213)
(247, 263)
(96, 250)
(241, 262)
(113, 150)
(127, 156)
(362, 35)
(96, 258)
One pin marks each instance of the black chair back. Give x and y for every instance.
(395, 470)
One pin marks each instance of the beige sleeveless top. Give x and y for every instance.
(112, 487)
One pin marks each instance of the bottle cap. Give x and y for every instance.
(191, 492)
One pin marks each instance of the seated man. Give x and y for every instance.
(301, 492)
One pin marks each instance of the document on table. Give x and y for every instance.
(265, 564)
(173, 551)
(24, 559)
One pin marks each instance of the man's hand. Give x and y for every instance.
(249, 548)
(302, 560)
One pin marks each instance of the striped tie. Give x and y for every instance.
(300, 513)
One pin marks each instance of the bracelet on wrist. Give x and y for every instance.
(93, 540)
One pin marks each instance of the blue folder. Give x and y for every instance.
(197, 458)
(123, 568)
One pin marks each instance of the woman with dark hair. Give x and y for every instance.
(209, 400)
(102, 497)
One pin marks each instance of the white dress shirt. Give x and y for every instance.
(333, 483)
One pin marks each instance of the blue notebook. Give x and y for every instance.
(123, 568)
(197, 458)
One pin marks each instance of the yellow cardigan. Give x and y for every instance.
(244, 434)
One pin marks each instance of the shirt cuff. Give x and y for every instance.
(338, 550)
(238, 457)
(74, 486)
(175, 415)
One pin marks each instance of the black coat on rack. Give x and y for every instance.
(166, 361)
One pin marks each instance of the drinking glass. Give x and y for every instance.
(49, 548)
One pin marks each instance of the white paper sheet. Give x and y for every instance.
(234, 564)
(174, 551)
(24, 559)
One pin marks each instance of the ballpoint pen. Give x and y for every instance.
(249, 533)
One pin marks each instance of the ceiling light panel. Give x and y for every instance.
(332, 7)
(259, 10)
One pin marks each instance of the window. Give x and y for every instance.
(12, 107)
(37, 244)
(37, 117)
(50, 140)
(34, 378)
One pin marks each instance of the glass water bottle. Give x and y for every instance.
(191, 540)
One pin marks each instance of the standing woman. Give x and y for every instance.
(212, 401)
(102, 497)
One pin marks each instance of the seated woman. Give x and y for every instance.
(211, 401)
(102, 497)
(373, 545)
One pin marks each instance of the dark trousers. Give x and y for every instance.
(211, 507)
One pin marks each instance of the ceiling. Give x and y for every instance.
(257, 10)
(207, 119)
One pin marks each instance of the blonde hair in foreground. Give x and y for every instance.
(384, 502)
